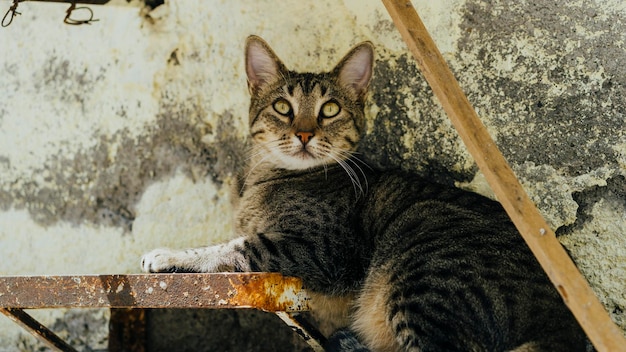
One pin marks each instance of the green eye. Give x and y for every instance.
(330, 109)
(282, 107)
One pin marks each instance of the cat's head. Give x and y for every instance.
(304, 120)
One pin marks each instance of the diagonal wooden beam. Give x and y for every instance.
(574, 289)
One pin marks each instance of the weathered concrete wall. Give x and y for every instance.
(121, 136)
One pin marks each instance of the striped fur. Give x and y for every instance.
(430, 268)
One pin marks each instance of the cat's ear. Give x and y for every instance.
(354, 71)
(262, 65)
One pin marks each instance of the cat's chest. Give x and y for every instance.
(293, 206)
(253, 211)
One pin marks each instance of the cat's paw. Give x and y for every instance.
(161, 260)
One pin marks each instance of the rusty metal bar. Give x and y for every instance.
(302, 327)
(127, 295)
(270, 292)
(38, 330)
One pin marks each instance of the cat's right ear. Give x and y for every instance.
(262, 65)
(354, 71)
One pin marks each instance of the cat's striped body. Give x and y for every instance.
(402, 263)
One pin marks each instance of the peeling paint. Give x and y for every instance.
(598, 245)
(550, 191)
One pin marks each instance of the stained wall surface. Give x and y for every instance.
(121, 136)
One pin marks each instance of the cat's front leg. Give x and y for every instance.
(222, 257)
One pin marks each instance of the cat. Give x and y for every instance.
(401, 263)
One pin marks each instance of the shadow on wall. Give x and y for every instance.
(90, 187)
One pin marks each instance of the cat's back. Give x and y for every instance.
(451, 260)
(397, 193)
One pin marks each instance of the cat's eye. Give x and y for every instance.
(330, 109)
(282, 107)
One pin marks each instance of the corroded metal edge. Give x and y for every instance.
(36, 329)
(270, 292)
(300, 326)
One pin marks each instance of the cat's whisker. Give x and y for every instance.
(325, 165)
(349, 157)
(249, 173)
(256, 151)
(354, 177)
(354, 156)
(352, 160)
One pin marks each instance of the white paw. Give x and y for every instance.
(160, 260)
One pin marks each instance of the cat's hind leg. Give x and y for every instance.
(371, 315)
(344, 340)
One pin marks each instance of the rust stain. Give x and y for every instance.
(271, 292)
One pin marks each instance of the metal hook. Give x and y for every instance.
(68, 13)
(13, 11)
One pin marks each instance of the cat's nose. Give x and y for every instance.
(304, 136)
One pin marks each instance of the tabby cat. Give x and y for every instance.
(402, 263)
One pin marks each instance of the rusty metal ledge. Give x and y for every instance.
(270, 292)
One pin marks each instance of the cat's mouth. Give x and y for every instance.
(303, 158)
(305, 154)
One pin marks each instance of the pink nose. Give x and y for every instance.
(304, 136)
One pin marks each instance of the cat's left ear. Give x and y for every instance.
(262, 65)
(354, 71)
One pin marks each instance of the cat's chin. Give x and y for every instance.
(302, 161)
